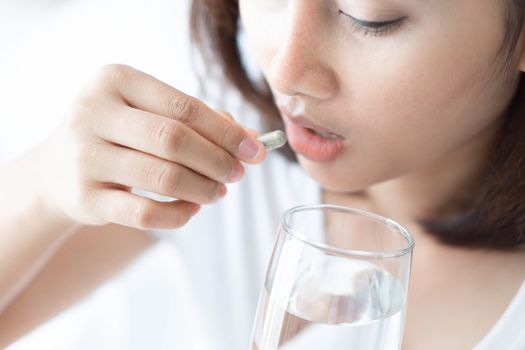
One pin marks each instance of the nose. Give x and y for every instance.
(300, 62)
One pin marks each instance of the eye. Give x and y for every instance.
(372, 27)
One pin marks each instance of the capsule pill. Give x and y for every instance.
(273, 139)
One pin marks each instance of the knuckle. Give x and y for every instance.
(89, 152)
(79, 115)
(167, 179)
(144, 216)
(211, 192)
(233, 134)
(225, 114)
(90, 205)
(183, 108)
(108, 77)
(163, 178)
(180, 220)
(82, 195)
(224, 165)
(94, 210)
(86, 155)
(114, 73)
(169, 136)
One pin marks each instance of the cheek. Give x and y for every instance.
(421, 104)
(408, 104)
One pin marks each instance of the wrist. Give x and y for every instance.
(40, 201)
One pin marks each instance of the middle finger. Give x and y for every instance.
(171, 140)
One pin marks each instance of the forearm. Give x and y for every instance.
(29, 231)
(88, 258)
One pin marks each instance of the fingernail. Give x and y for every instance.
(222, 190)
(236, 173)
(196, 208)
(248, 149)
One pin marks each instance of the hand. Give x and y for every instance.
(128, 130)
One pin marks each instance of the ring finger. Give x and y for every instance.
(120, 165)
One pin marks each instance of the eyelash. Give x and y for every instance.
(373, 28)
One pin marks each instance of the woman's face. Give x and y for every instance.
(400, 84)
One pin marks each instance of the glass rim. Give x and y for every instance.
(343, 251)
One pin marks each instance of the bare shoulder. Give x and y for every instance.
(87, 259)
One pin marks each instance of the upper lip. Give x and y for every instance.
(303, 121)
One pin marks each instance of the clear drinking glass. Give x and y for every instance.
(337, 279)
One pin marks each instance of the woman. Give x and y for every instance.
(411, 110)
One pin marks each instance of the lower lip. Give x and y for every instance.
(312, 146)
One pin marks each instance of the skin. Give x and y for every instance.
(172, 145)
(420, 77)
(424, 92)
(428, 93)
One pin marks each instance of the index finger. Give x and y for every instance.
(145, 92)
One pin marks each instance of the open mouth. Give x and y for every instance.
(324, 134)
(313, 128)
(315, 144)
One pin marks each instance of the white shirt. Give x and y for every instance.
(198, 287)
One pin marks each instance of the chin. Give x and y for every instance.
(334, 178)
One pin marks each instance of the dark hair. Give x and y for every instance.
(494, 216)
